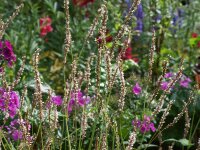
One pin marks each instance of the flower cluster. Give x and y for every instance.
(183, 82)
(177, 18)
(139, 15)
(77, 99)
(9, 102)
(6, 52)
(45, 26)
(82, 2)
(15, 130)
(145, 125)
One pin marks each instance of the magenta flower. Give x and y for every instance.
(13, 102)
(151, 126)
(164, 85)
(137, 89)
(169, 75)
(15, 132)
(184, 82)
(17, 135)
(57, 100)
(82, 100)
(6, 51)
(136, 123)
(144, 126)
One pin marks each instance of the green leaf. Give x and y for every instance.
(192, 41)
(129, 64)
(170, 140)
(185, 142)
(146, 146)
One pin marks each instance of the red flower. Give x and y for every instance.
(129, 56)
(82, 2)
(45, 26)
(108, 37)
(194, 35)
(198, 44)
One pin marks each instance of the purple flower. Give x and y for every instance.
(13, 103)
(128, 2)
(144, 126)
(177, 19)
(15, 132)
(139, 12)
(181, 12)
(164, 85)
(17, 135)
(84, 100)
(158, 18)
(6, 50)
(139, 15)
(136, 123)
(184, 82)
(57, 100)
(174, 19)
(147, 118)
(151, 125)
(169, 75)
(80, 100)
(137, 89)
(8, 45)
(70, 106)
(139, 25)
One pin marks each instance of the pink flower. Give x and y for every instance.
(45, 26)
(57, 100)
(137, 89)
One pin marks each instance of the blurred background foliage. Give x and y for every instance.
(175, 23)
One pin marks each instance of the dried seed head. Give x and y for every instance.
(132, 140)
(68, 33)
(38, 92)
(3, 25)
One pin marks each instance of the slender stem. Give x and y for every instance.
(191, 128)
(93, 132)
